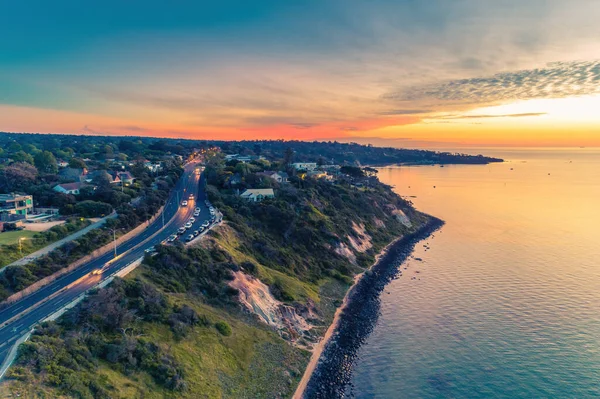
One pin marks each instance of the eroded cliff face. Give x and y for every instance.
(291, 322)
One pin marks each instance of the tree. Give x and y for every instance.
(353, 171)
(92, 209)
(14, 147)
(17, 176)
(22, 156)
(288, 156)
(46, 163)
(77, 163)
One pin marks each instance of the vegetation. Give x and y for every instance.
(11, 250)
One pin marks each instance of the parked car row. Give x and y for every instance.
(190, 223)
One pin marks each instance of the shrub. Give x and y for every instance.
(223, 328)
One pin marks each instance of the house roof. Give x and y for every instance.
(70, 186)
(258, 191)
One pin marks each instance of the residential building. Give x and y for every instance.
(304, 165)
(75, 174)
(279, 177)
(62, 163)
(258, 194)
(69, 188)
(15, 206)
(125, 177)
(153, 166)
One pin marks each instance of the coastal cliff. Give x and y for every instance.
(235, 315)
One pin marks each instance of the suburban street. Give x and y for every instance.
(17, 319)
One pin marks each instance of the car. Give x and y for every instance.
(187, 225)
(192, 220)
(197, 210)
(181, 230)
(207, 203)
(184, 203)
(96, 272)
(205, 224)
(201, 229)
(212, 219)
(189, 238)
(172, 238)
(150, 250)
(196, 233)
(196, 214)
(191, 196)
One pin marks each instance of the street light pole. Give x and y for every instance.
(114, 241)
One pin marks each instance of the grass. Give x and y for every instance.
(12, 237)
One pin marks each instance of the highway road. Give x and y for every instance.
(17, 319)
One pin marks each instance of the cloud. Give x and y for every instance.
(405, 112)
(525, 114)
(556, 80)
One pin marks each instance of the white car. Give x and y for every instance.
(191, 196)
(181, 230)
(188, 225)
(196, 214)
(172, 238)
(192, 220)
(189, 238)
(197, 210)
(206, 224)
(184, 203)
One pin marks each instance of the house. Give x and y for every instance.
(75, 174)
(125, 177)
(69, 188)
(257, 194)
(62, 163)
(152, 167)
(100, 175)
(15, 206)
(279, 177)
(304, 165)
(235, 180)
(316, 174)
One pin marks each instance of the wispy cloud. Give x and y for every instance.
(523, 115)
(556, 80)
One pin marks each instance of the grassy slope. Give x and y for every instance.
(12, 237)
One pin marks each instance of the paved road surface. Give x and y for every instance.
(37, 306)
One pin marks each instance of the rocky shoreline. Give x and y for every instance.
(333, 372)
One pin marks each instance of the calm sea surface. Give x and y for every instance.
(506, 301)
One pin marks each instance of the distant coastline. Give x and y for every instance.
(329, 370)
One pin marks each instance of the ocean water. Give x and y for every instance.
(505, 301)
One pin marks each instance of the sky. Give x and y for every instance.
(407, 73)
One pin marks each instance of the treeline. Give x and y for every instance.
(333, 152)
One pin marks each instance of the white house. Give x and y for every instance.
(304, 165)
(279, 177)
(258, 194)
(68, 188)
